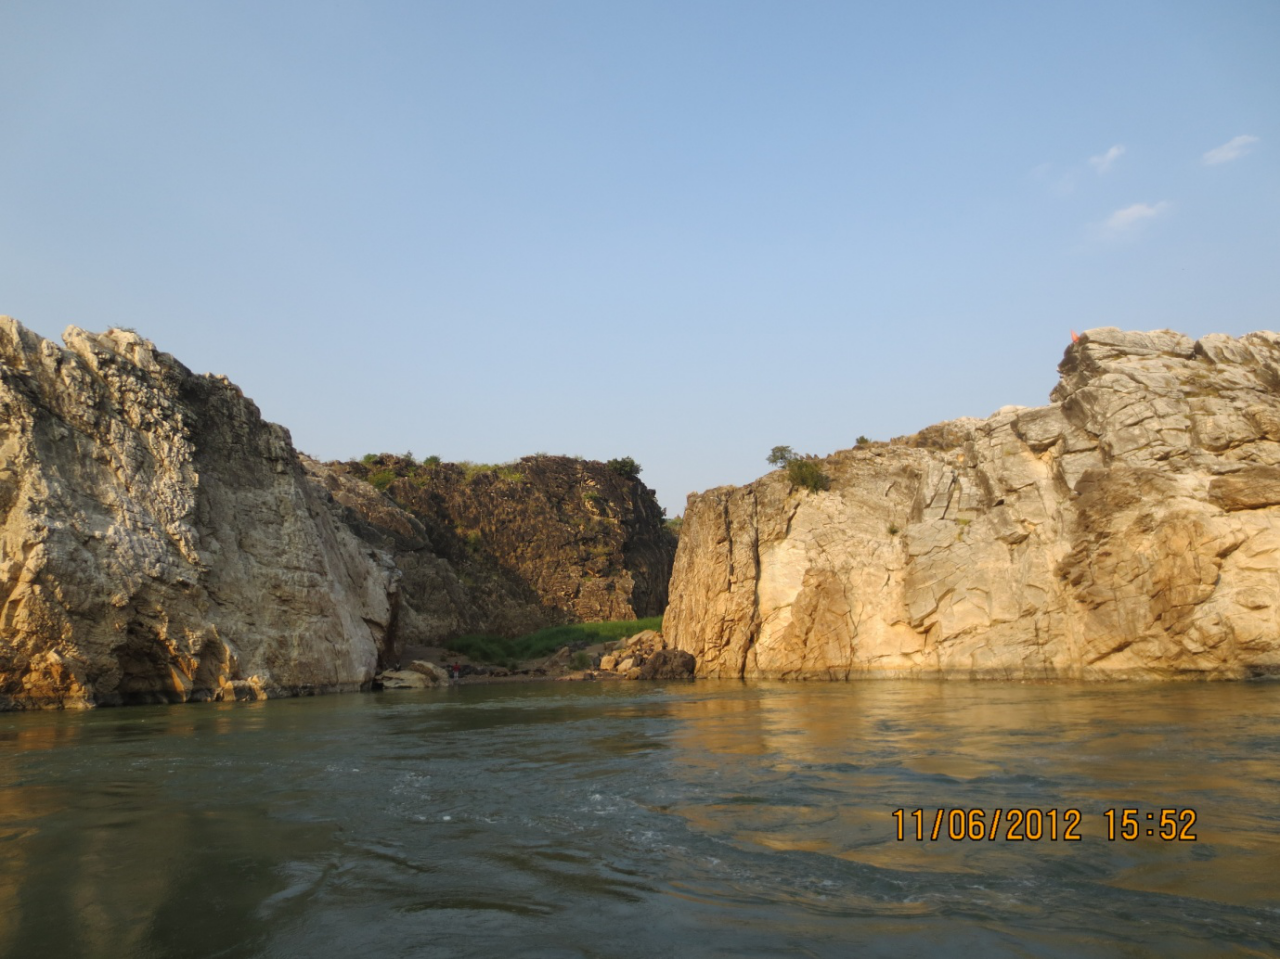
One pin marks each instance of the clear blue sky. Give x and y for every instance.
(684, 232)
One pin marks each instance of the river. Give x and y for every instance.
(649, 820)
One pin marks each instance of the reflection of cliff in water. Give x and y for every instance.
(117, 856)
(817, 768)
(680, 819)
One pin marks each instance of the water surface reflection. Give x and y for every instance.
(630, 820)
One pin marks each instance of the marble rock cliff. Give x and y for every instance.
(1129, 529)
(159, 541)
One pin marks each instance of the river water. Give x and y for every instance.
(646, 820)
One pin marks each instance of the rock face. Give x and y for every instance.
(669, 664)
(1130, 529)
(509, 549)
(160, 542)
(646, 655)
(444, 592)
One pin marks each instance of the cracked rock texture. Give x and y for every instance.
(160, 542)
(510, 549)
(1130, 529)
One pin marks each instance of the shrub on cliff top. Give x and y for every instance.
(808, 474)
(625, 466)
(801, 471)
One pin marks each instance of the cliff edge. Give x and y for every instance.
(1130, 529)
(160, 542)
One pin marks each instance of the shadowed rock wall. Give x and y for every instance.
(508, 550)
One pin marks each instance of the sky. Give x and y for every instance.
(684, 232)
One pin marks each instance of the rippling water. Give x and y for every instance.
(712, 819)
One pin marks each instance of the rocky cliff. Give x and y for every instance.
(160, 542)
(513, 548)
(1130, 529)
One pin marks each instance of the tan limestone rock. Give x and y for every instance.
(433, 671)
(406, 679)
(160, 542)
(1129, 529)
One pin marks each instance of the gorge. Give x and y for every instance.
(161, 542)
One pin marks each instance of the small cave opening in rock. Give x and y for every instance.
(147, 671)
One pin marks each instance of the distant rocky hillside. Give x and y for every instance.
(512, 548)
(1131, 528)
(160, 542)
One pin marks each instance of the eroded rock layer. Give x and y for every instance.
(1130, 529)
(160, 542)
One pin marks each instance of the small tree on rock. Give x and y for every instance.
(625, 466)
(801, 470)
(780, 456)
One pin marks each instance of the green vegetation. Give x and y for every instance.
(506, 471)
(382, 479)
(484, 648)
(625, 467)
(369, 459)
(801, 470)
(675, 524)
(780, 456)
(580, 660)
(808, 474)
(431, 460)
(862, 441)
(893, 529)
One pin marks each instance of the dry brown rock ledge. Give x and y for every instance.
(1130, 529)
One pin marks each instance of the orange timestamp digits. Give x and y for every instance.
(976, 825)
(1172, 824)
(1034, 825)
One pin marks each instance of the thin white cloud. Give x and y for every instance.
(1132, 217)
(1103, 163)
(1233, 149)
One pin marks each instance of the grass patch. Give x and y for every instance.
(506, 471)
(510, 652)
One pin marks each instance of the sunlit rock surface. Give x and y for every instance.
(160, 542)
(1130, 529)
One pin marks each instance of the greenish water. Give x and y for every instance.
(708, 819)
